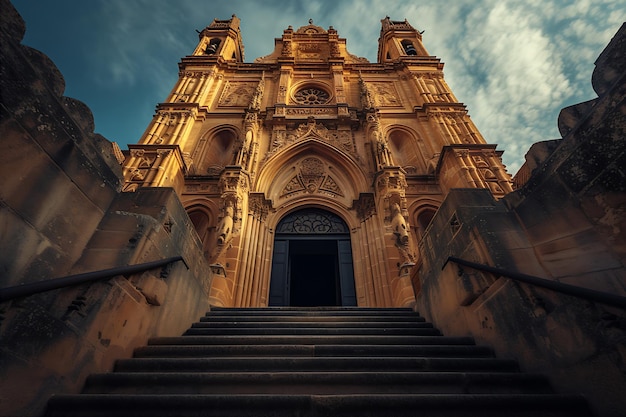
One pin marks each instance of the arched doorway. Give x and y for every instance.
(312, 262)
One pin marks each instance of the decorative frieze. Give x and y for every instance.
(311, 111)
(202, 188)
(341, 139)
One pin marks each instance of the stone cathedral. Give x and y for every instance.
(312, 162)
(308, 211)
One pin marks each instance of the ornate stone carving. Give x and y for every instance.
(287, 50)
(237, 94)
(341, 139)
(331, 186)
(334, 50)
(280, 135)
(312, 222)
(255, 103)
(312, 50)
(367, 98)
(205, 188)
(305, 111)
(233, 183)
(282, 93)
(310, 29)
(385, 94)
(310, 96)
(312, 177)
(312, 167)
(259, 206)
(214, 170)
(365, 206)
(395, 183)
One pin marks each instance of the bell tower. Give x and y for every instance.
(222, 38)
(399, 40)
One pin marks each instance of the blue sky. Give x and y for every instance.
(514, 63)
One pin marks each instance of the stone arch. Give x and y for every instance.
(216, 149)
(337, 176)
(421, 214)
(406, 149)
(315, 202)
(203, 218)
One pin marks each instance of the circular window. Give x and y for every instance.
(310, 96)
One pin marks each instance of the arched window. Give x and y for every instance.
(424, 218)
(406, 152)
(215, 151)
(201, 223)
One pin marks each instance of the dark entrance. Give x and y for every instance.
(314, 273)
(312, 264)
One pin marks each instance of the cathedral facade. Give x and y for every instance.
(309, 177)
(311, 174)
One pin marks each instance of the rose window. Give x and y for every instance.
(311, 96)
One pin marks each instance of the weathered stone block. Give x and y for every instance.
(153, 288)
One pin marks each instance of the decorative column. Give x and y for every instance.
(253, 281)
(369, 269)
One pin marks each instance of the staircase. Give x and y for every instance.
(315, 362)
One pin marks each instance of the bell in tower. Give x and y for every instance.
(213, 45)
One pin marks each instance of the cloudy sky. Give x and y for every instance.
(514, 63)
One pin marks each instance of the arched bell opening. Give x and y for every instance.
(312, 261)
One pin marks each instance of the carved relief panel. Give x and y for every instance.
(384, 94)
(237, 94)
(312, 176)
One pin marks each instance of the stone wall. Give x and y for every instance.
(58, 176)
(61, 213)
(565, 224)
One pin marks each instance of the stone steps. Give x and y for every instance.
(311, 340)
(315, 362)
(319, 331)
(285, 405)
(430, 350)
(224, 364)
(315, 383)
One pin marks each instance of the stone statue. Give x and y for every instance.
(399, 226)
(226, 225)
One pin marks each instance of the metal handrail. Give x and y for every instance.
(26, 290)
(581, 292)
